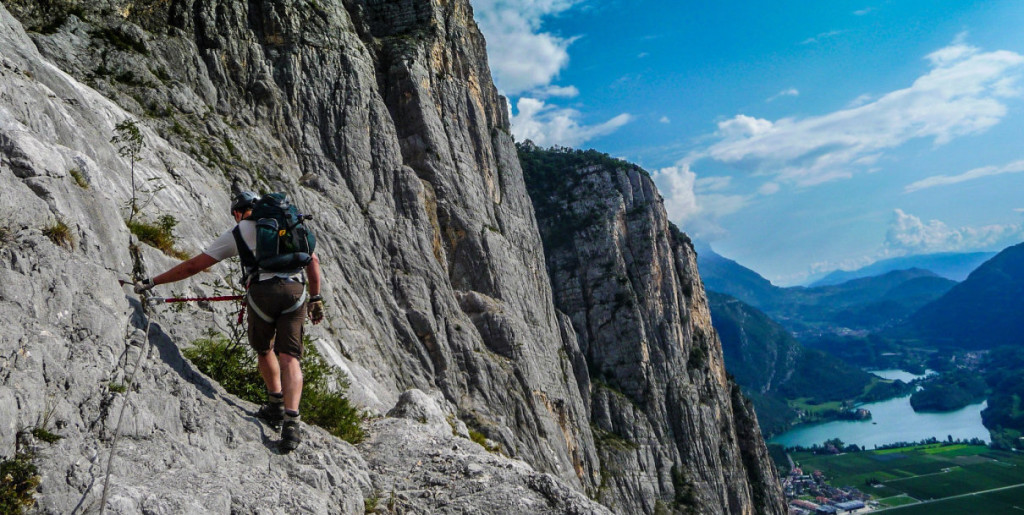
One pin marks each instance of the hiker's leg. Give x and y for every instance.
(289, 346)
(270, 369)
(291, 380)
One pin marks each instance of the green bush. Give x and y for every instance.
(18, 481)
(324, 404)
(159, 234)
(233, 365)
(45, 435)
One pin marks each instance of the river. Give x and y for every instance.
(892, 421)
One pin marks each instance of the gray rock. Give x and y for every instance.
(420, 471)
(672, 431)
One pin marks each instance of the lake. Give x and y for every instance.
(895, 373)
(892, 421)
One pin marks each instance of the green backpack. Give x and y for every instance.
(283, 242)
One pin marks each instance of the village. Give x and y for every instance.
(828, 500)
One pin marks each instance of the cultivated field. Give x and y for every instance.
(929, 479)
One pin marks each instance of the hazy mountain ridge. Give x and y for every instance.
(864, 304)
(955, 266)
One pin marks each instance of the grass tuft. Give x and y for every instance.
(60, 234)
(159, 235)
(79, 178)
(479, 438)
(44, 435)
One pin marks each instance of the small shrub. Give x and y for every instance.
(120, 41)
(479, 438)
(44, 435)
(18, 481)
(159, 234)
(370, 504)
(79, 178)
(698, 357)
(117, 387)
(60, 234)
(324, 404)
(6, 235)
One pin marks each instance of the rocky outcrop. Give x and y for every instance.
(379, 118)
(672, 430)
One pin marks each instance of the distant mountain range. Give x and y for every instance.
(955, 266)
(986, 310)
(864, 304)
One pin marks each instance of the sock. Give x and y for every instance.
(291, 414)
(275, 398)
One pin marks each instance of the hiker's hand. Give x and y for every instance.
(316, 310)
(144, 285)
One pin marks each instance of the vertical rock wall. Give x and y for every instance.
(672, 430)
(381, 119)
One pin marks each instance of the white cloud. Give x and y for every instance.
(713, 183)
(860, 100)
(791, 92)
(963, 93)
(862, 12)
(743, 126)
(556, 91)
(641, 55)
(678, 187)
(822, 36)
(977, 173)
(548, 125)
(520, 55)
(664, 119)
(690, 207)
(907, 234)
(769, 188)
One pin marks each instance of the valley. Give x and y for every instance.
(947, 371)
(828, 334)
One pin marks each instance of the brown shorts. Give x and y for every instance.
(284, 335)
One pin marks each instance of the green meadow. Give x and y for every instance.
(933, 479)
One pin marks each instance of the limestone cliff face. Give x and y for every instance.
(671, 428)
(381, 119)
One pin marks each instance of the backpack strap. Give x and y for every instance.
(249, 265)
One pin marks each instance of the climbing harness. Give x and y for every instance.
(269, 319)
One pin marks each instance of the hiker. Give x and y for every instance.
(276, 298)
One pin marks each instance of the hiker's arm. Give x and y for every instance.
(313, 273)
(188, 268)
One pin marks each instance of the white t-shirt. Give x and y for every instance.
(225, 247)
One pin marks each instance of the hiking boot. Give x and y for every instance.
(272, 413)
(291, 436)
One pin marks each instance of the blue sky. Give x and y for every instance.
(797, 137)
